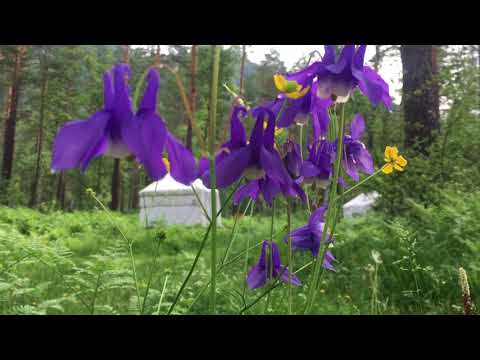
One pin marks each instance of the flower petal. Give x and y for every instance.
(401, 161)
(269, 188)
(230, 168)
(273, 166)
(145, 136)
(283, 272)
(78, 142)
(364, 161)
(357, 127)
(388, 169)
(391, 153)
(327, 261)
(251, 190)
(256, 278)
(149, 99)
(182, 163)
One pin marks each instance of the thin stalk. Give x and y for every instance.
(221, 268)
(205, 212)
(161, 296)
(202, 245)
(152, 269)
(328, 223)
(274, 286)
(349, 190)
(290, 257)
(129, 245)
(97, 285)
(213, 184)
(270, 252)
(234, 233)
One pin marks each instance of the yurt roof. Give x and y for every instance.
(169, 185)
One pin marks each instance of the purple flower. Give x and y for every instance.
(268, 188)
(115, 131)
(298, 110)
(80, 141)
(255, 159)
(148, 137)
(265, 270)
(340, 76)
(293, 159)
(356, 156)
(319, 166)
(308, 237)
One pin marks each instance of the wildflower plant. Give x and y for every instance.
(265, 166)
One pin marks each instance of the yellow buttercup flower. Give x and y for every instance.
(290, 88)
(166, 163)
(393, 160)
(278, 131)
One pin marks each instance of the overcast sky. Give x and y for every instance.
(391, 69)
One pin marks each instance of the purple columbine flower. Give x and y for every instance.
(340, 76)
(308, 237)
(255, 159)
(265, 270)
(318, 168)
(115, 131)
(356, 156)
(80, 141)
(147, 136)
(298, 110)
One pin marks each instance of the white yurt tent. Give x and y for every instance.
(360, 204)
(175, 204)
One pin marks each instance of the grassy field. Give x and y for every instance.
(78, 263)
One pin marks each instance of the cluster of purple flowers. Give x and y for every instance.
(268, 168)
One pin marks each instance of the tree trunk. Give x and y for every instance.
(61, 186)
(242, 69)
(135, 187)
(193, 95)
(116, 181)
(117, 173)
(10, 121)
(36, 175)
(420, 95)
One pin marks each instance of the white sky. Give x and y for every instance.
(391, 69)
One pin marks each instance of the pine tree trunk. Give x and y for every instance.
(36, 175)
(420, 95)
(135, 187)
(193, 95)
(116, 181)
(242, 69)
(10, 121)
(61, 186)
(117, 173)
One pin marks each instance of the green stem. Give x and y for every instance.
(234, 232)
(270, 252)
(205, 212)
(290, 257)
(129, 246)
(161, 296)
(329, 216)
(349, 190)
(150, 276)
(202, 245)
(212, 120)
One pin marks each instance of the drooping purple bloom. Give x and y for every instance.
(356, 157)
(298, 110)
(255, 160)
(265, 269)
(80, 141)
(340, 76)
(318, 168)
(148, 137)
(308, 237)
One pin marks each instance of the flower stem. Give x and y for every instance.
(270, 252)
(212, 120)
(329, 216)
(290, 259)
(202, 245)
